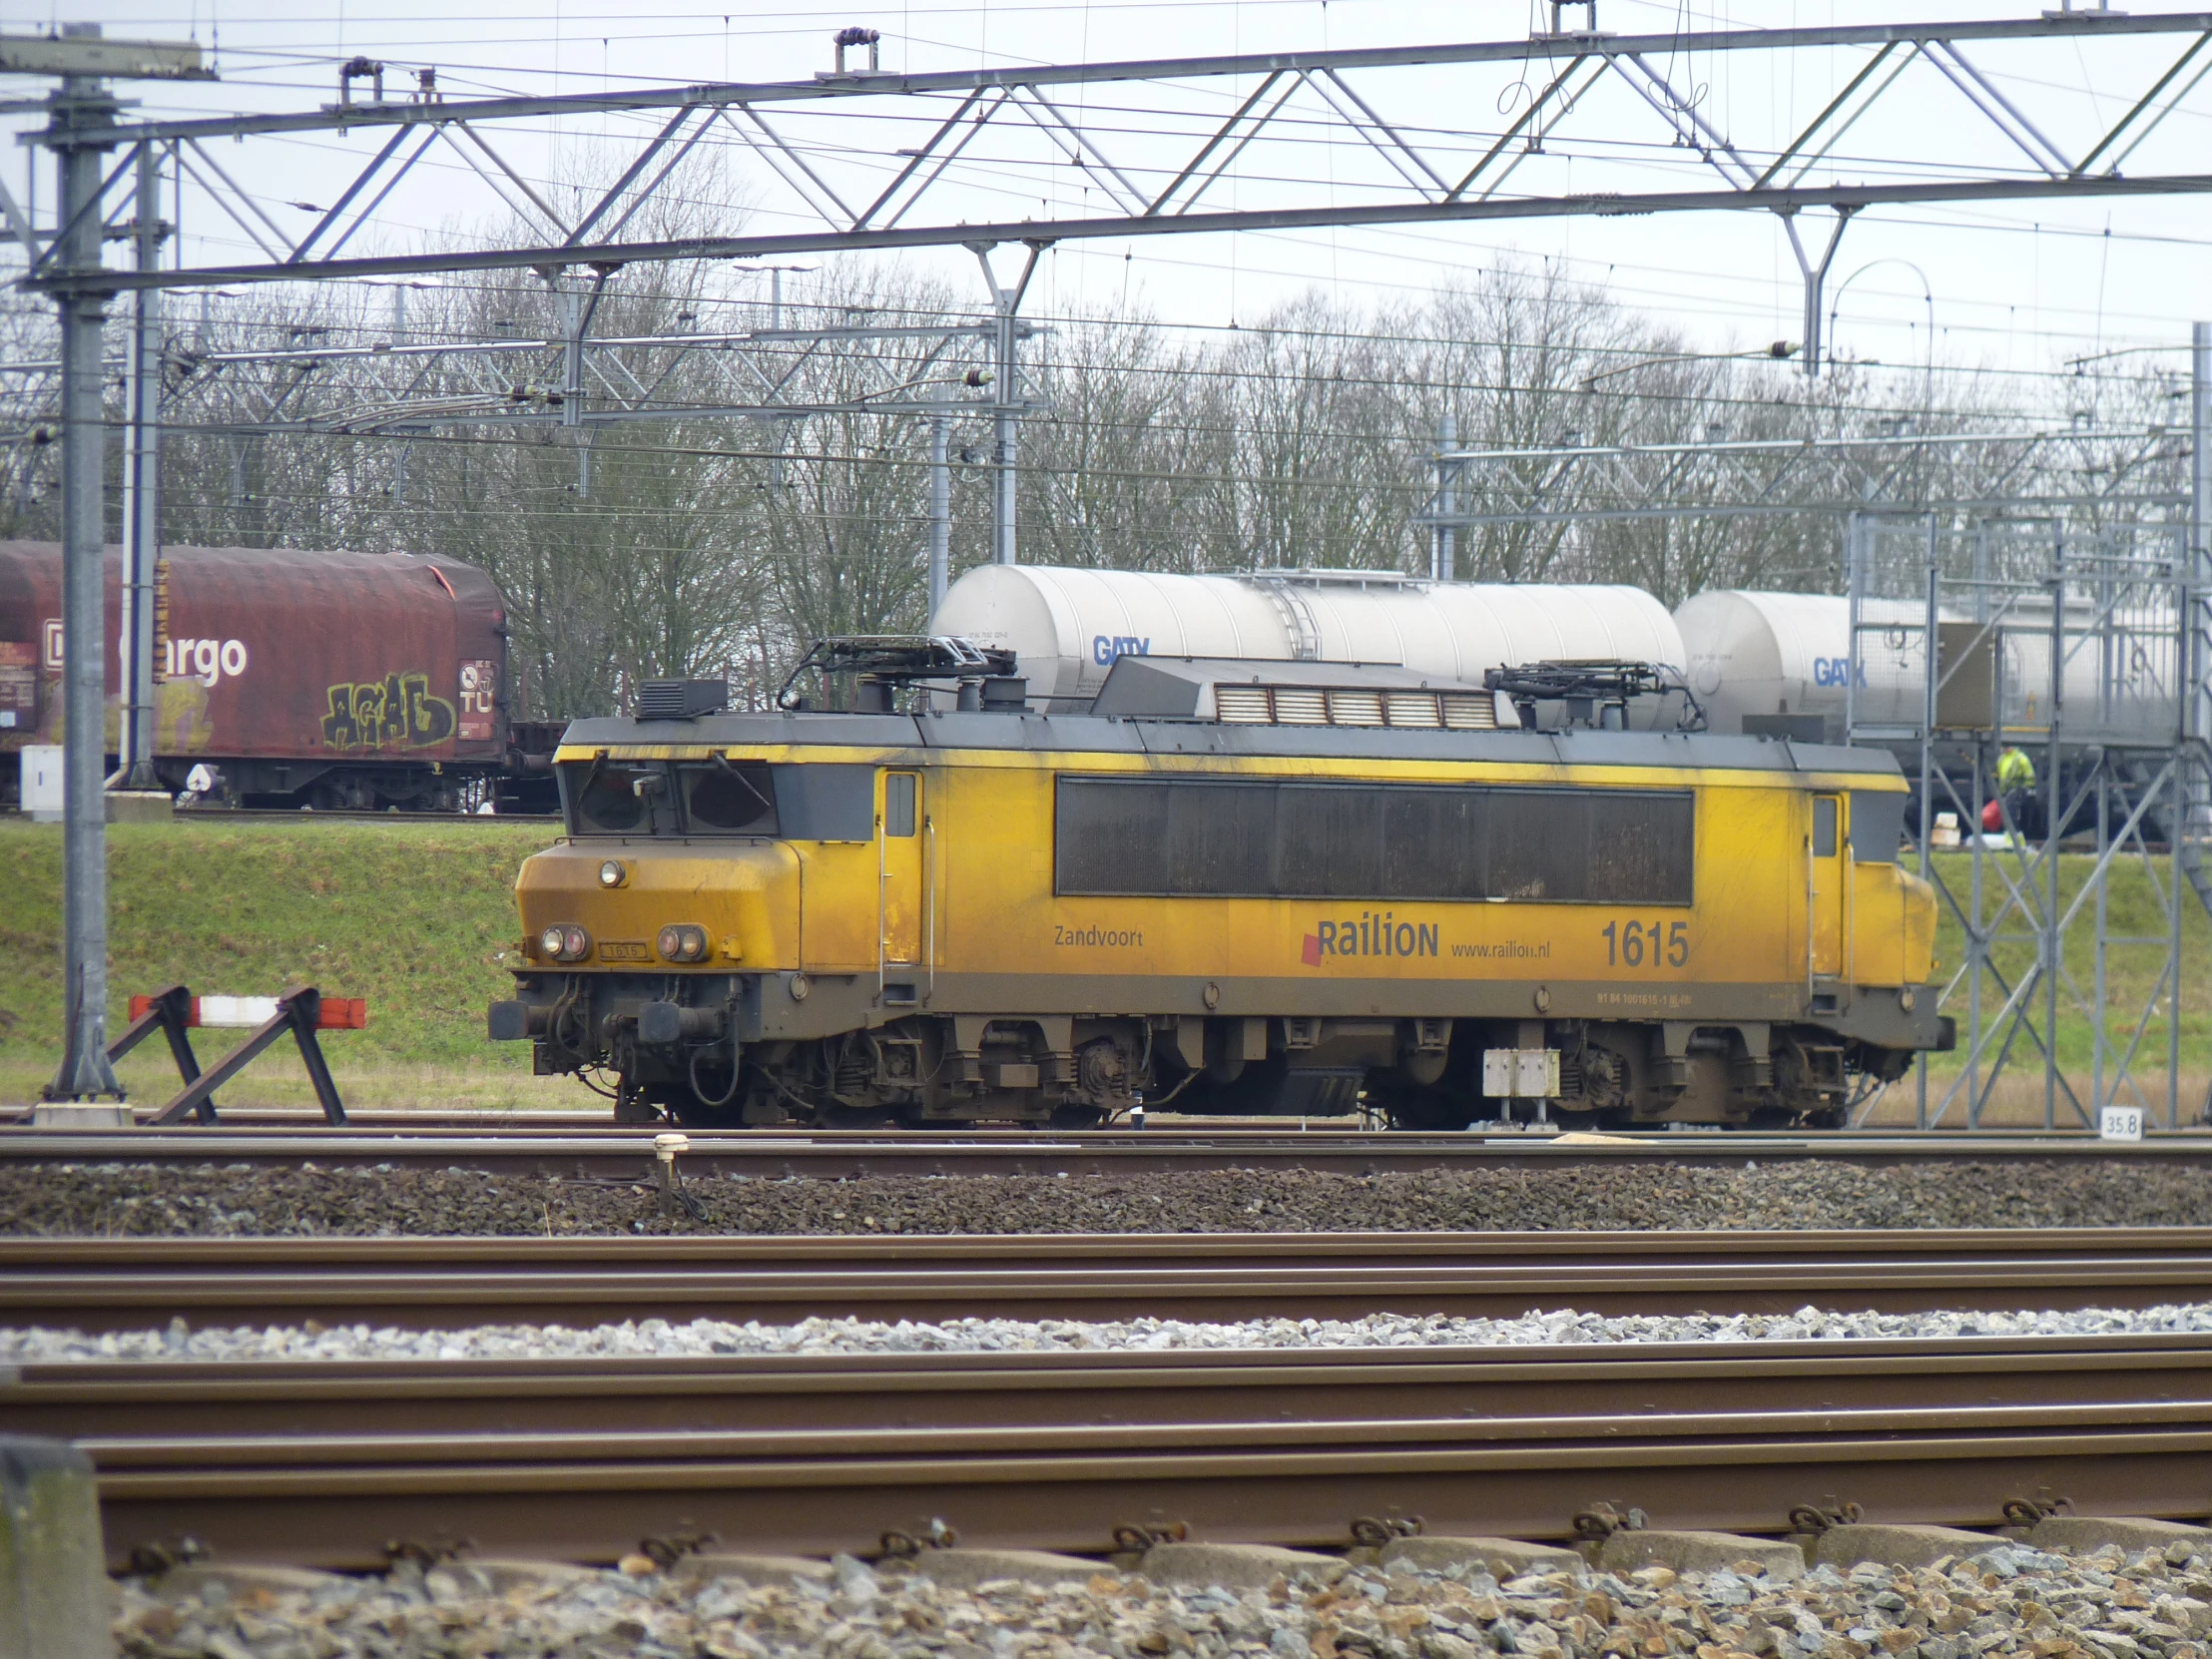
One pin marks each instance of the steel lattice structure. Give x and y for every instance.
(2099, 473)
(391, 388)
(2091, 650)
(1153, 146)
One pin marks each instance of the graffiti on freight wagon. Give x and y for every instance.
(396, 712)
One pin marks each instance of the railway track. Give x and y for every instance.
(559, 1144)
(325, 1466)
(427, 1283)
(326, 1463)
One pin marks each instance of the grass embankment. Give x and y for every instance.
(416, 917)
(413, 916)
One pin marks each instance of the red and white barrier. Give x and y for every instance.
(300, 1013)
(333, 1014)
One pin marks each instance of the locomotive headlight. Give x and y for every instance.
(612, 874)
(565, 944)
(683, 944)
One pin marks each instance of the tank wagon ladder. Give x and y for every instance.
(1298, 617)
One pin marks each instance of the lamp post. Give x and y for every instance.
(1779, 352)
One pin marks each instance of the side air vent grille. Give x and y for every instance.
(681, 699)
(1342, 706)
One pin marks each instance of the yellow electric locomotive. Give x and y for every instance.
(1229, 887)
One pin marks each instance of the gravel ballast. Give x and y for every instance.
(704, 1338)
(239, 1200)
(2000, 1600)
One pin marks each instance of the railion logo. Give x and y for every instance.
(1369, 934)
(1106, 647)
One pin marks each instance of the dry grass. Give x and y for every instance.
(279, 1079)
(2016, 1102)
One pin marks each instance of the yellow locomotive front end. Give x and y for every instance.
(675, 866)
(694, 875)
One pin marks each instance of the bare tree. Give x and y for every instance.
(700, 542)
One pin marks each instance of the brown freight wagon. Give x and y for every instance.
(338, 681)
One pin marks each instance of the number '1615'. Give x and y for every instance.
(1641, 944)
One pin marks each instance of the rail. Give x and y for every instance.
(430, 1283)
(323, 1464)
(560, 1143)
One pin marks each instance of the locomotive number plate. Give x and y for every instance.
(1646, 944)
(624, 950)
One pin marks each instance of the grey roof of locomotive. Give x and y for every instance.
(1108, 734)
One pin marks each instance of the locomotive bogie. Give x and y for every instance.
(1048, 922)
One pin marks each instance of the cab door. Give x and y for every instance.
(1825, 887)
(898, 820)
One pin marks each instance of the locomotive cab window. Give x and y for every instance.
(899, 803)
(1877, 826)
(810, 801)
(725, 798)
(615, 797)
(1824, 826)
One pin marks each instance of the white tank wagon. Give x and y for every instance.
(1066, 626)
(1761, 654)
(1789, 654)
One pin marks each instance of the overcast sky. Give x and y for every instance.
(2020, 287)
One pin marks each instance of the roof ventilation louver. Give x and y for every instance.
(1411, 708)
(1355, 707)
(681, 699)
(1469, 712)
(1243, 705)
